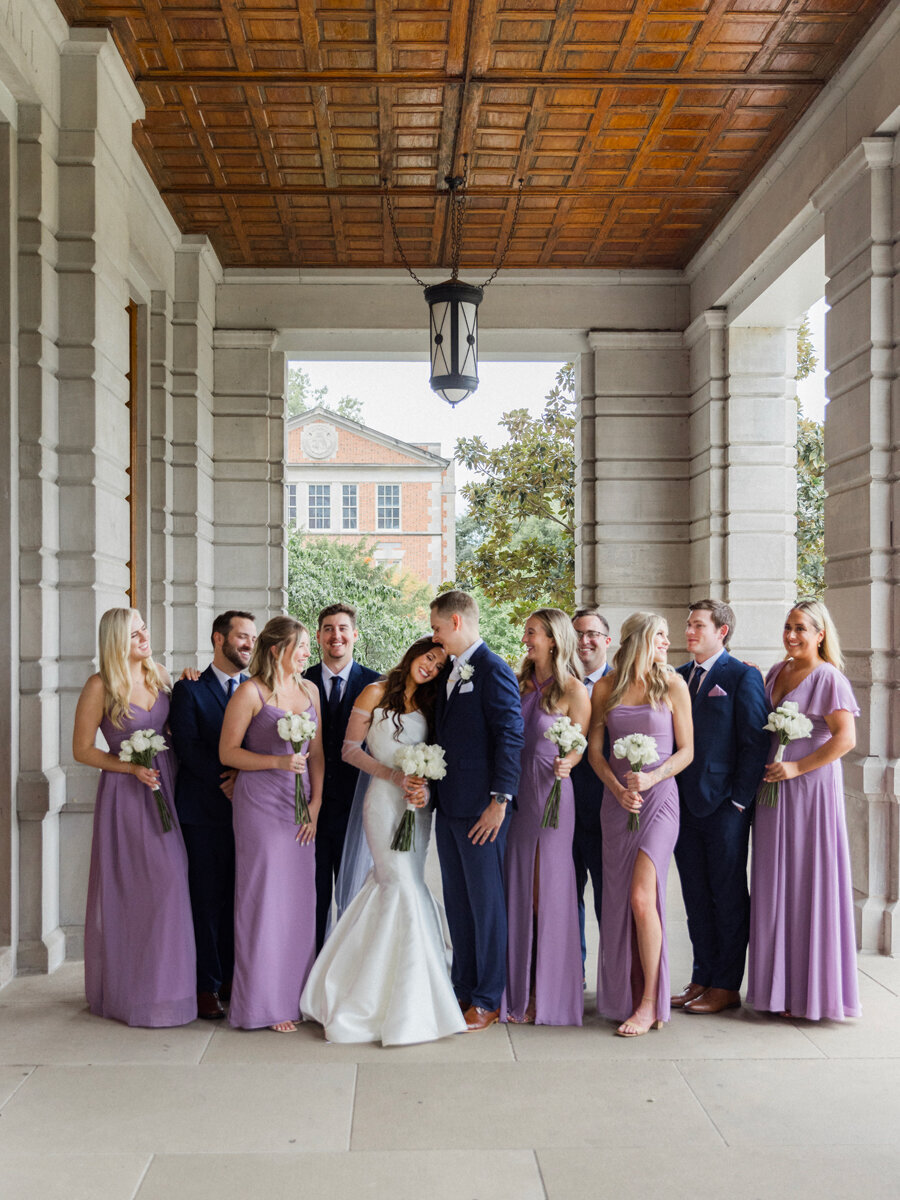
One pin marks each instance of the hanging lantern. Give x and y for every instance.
(454, 338)
(453, 305)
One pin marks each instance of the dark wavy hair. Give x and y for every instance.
(425, 696)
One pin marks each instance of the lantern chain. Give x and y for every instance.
(400, 250)
(512, 229)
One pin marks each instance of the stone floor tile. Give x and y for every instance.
(885, 971)
(874, 1035)
(739, 1033)
(65, 985)
(437, 1175)
(308, 1045)
(49, 1176)
(740, 1174)
(12, 1078)
(67, 1033)
(799, 1103)
(181, 1110)
(518, 1105)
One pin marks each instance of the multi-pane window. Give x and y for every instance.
(292, 504)
(319, 506)
(388, 506)
(349, 506)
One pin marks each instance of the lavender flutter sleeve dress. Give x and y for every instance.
(802, 932)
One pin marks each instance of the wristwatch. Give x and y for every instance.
(500, 797)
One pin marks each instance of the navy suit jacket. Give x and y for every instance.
(195, 722)
(730, 745)
(586, 786)
(340, 777)
(481, 730)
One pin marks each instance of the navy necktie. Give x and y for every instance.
(231, 689)
(695, 681)
(334, 697)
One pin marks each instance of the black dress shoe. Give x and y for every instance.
(224, 992)
(208, 1007)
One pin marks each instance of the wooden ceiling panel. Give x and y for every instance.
(636, 124)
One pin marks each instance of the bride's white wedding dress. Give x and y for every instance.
(383, 973)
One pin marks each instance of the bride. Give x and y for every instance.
(382, 975)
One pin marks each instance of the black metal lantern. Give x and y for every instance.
(453, 305)
(454, 338)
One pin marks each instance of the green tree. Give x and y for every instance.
(524, 500)
(392, 610)
(301, 395)
(810, 482)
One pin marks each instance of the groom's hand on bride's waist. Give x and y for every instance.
(488, 824)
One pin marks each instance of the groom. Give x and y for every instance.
(478, 721)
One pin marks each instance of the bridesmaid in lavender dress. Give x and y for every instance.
(275, 889)
(802, 936)
(544, 969)
(139, 958)
(640, 695)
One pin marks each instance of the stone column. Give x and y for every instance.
(98, 103)
(862, 227)
(9, 570)
(585, 483)
(638, 533)
(250, 559)
(162, 473)
(193, 570)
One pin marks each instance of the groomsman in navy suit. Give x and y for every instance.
(717, 791)
(339, 679)
(203, 790)
(478, 716)
(592, 632)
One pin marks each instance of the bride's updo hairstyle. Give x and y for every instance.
(564, 660)
(820, 619)
(277, 634)
(394, 699)
(635, 662)
(114, 644)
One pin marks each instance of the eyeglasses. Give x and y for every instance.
(590, 635)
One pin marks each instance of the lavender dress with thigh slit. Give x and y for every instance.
(656, 837)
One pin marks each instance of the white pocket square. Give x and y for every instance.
(466, 687)
(717, 691)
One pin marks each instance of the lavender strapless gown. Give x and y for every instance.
(139, 957)
(656, 836)
(558, 984)
(802, 932)
(275, 887)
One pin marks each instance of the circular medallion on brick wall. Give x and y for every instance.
(319, 440)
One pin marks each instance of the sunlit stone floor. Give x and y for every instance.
(738, 1106)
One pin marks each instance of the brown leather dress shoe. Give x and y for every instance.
(714, 1000)
(208, 1007)
(692, 992)
(480, 1018)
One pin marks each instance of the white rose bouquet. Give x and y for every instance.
(141, 748)
(565, 736)
(789, 723)
(424, 761)
(640, 750)
(298, 728)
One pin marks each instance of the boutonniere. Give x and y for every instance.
(466, 671)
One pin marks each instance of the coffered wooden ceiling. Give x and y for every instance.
(635, 123)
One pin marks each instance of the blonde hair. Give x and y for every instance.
(277, 634)
(634, 661)
(564, 660)
(114, 641)
(820, 619)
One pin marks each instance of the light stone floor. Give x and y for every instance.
(740, 1106)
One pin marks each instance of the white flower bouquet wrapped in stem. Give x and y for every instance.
(422, 761)
(566, 737)
(789, 723)
(298, 728)
(141, 748)
(640, 750)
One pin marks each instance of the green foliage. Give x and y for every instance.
(810, 483)
(301, 395)
(392, 611)
(524, 506)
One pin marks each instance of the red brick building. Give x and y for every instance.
(346, 481)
